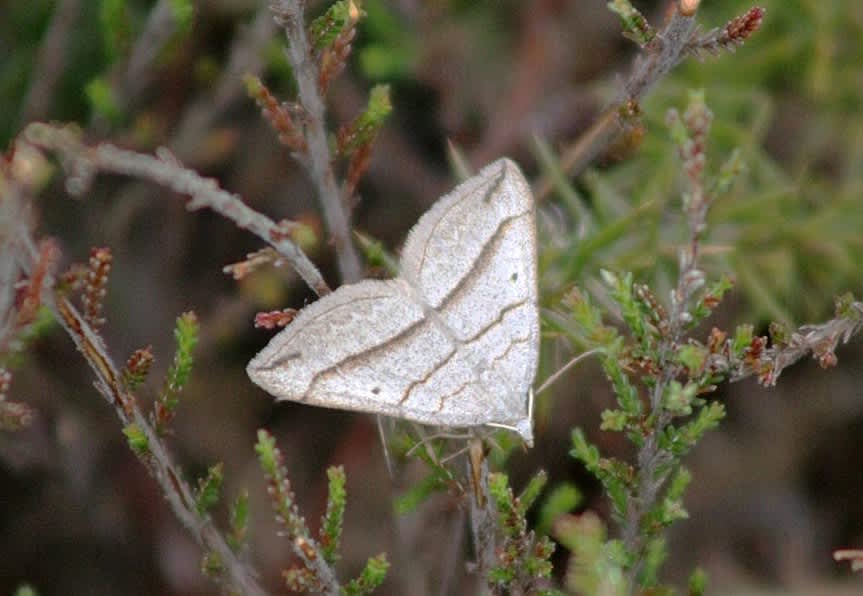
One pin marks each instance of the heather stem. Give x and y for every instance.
(289, 14)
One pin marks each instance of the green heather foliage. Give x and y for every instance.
(282, 497)
(324, 30)
(372, 576)
(102, 100)
(525, 558)
(186, 337)
(209, 489)
(288, 515)
(137, 440)
(561, 500)
(331, 528)
(364, 129)
(635, 25)
(239, 520)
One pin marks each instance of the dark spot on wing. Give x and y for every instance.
(376, 390)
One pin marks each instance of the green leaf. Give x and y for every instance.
(677, 485)
(239, 519)
(376, 255)
(419, 492)
(136, 439)
(532, 491)
(498, 488)
(844, 307)
(595, 565)
(267, 455)
(618, 493)
(589, 318)
(622, 292)
(698, 582)
(102, 100)
(655, 555)
(41, 326)
(584, 451)
(372, 576)
(331, 526)
(742, 339)
(209, 489)
(689, 434)
(562, 500)
(671, 508)
(212, 564)
(184, 14)
(635, 25)
(186, 337)
(729, 172)
(692, 356)
(279, 486)
(365, 128)
(613, 420)
(711, 296)
(625, 392)
(326, 28)
(677, 398)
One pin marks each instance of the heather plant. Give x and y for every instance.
(638, 260)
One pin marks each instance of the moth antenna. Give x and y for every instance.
(388, 459)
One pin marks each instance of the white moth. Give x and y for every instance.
(453, 341)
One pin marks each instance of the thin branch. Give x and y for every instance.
(651, 456)
(289, 15)
(157, 458)
(819, 340)
(729, 37)
(84, 162)
(177, 492)
(316, 566)
(483, 515)
(663, 53)
(561, 371)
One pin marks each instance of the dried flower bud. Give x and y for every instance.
(688, 7)
(95, 285)
(740, 28)
(138, 366)
(276, 318)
